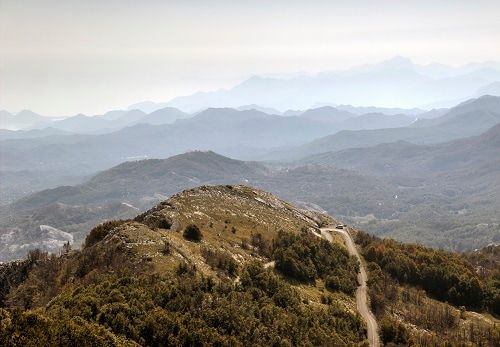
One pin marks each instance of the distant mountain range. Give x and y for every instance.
(430, 177)
(39, 126)
(397, 82)
(22, 120)
(467, 119)
(250, 134)
(444, 195)
(404, 159)
(82, 124)
(244, 133)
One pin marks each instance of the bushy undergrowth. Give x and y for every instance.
(188, 309)
(306, 258)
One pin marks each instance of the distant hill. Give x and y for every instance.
(490, 89)
(27, 134)
(407, 159)
(268, 110)
(147, 106)
(376, 121)
(109, 122)
(344, 120)
(231, 132)
(143, 181)
(390, 111)
(327, 114)
(82, 124)
(483, 110)
(21, 120)
(164, 115)
(467, 119)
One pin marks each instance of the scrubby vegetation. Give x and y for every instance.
(306, 257)
(143, 282)
(14, 273)
(263, 246)
(154, 220)
(416, 286)
(193, 233)
(443, 275)
(99, 232)
(189, 309)
(393, 333)
(220, 260)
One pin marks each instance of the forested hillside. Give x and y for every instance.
(192, 271)
(232, 265)
(422, 296)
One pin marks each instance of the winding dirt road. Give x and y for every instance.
(362, 290)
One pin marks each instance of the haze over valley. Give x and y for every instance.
(249, 174)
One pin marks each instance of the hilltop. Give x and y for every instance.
(205, 265)
(133, 187)
(150, 272)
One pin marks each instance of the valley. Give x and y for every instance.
(249, 173)
(443, 195)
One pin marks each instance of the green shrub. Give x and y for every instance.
(443, 275)
(99, 232)
(220, 260)
(393, 333)
(305, 257)
(166, 249)
(193, 233)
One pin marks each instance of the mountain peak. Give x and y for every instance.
(397, 62)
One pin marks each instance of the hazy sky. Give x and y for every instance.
(65, 57)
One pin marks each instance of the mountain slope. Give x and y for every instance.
(136, 186)
(164, 115)
(21, 120)
(35, 133)
(406, 159)
(458, 199)
(467, 119)
(143, 282)
(201, 265)
(231, 132)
